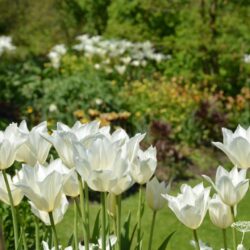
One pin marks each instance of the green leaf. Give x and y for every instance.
(70, 240)
(164, 244)
(95, 233)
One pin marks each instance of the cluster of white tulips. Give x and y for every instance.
(111, 55)
(191, 205)
(90, 156)
(6, 44)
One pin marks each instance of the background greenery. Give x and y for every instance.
(181, 103)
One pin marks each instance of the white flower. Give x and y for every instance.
(203, 246)
(154, 191)
(246, 58)
(6, 44)
(16, 192)
(102, 166)
(144, 165)
(220, 213)
(190, 206)
(58, 212)
(120, 69)
(36, 148)
(44, 189)
(241, 247)
(70, 181)
(64, 138)
(10, 140)
(46, 247)
(236, 146)
(231, 186)
(56, 53)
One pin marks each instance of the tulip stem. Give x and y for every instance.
(224, 238)
(86, 215)
(196, 239)
(13, 211)
(37, 234)
(139, 214)
(118, 220)
(75, 224)
(152, 230)
(86, 239)
(103, 202)
(24, 239)
(234, 231)
(54, 230)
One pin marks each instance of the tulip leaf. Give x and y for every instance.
(95, 233)
(164, 244)
(70, 240)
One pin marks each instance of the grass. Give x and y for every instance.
(166, 223)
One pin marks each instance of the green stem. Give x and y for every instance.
(86, 193)
(25, 247)
(224, 238)
(86, 240)
(118, 220)
(75, 224)
(139, 215)
(13, 211)
(196, 239)
(103, 202)
(234, 230)
(54, 231)
(37, 234)
(152, 230)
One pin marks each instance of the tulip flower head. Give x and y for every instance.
(58, 211)
(231, 186)
(64, 139)
(236, 146)
(103, 167)
(190, 206)
(10, 140)
(36, 148)
(154, 191)
(220, 213)
(42, 188)
(17, 194)
(144, 165)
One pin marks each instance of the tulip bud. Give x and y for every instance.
(154, 191)
(220, 213)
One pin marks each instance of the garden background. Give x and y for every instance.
(197, 81)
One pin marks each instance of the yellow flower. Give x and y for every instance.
(29, 110)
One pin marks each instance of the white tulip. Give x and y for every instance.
(70, 181)
(231, 186)
(154, 191)
(46, 247)
(44, 190)
(236, 146)
(102, 166)
(10, 140)
(220, 213)
(58, 212)
(17, 194)
(36, 148)
(190, 206)
(144, 165)
(64, 138)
